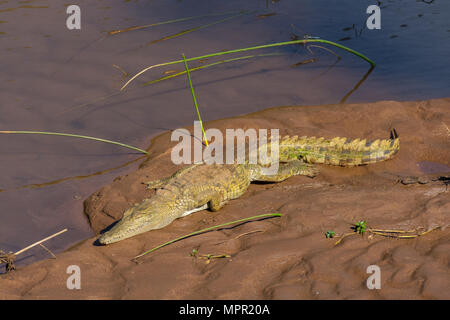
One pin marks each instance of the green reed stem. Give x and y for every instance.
(266, 215)
(278, 44)
(113, 32)
(209, 65)
(77, 136)
(196, 28)
(173, 76)
(193, 97)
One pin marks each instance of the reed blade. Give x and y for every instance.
(74, 136)
(271, 45)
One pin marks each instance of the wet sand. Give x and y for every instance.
(287, 257)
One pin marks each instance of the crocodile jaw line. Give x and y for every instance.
(122, 229)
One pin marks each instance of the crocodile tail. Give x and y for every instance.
(339, 151)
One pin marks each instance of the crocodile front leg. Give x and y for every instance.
(217, 201)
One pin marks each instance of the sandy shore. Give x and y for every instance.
(287, 257)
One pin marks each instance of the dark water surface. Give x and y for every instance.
(48, 70)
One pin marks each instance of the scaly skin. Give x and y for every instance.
(202, 186)
(338, 151)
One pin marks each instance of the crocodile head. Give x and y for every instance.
(136, 220)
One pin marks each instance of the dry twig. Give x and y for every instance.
(9, 258)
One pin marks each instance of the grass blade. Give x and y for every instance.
(171, 76)
(193, 97)
(209, 65)
(113, 32)
(272, 45)
(196, 28)
(76, 136)
(266, 215)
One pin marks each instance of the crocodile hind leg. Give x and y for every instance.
(287, 170)
(217, 201)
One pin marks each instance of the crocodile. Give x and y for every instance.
(210, 186)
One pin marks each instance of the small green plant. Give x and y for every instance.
(330, 234)
(361, 227)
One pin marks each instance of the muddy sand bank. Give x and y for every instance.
(287, 257)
